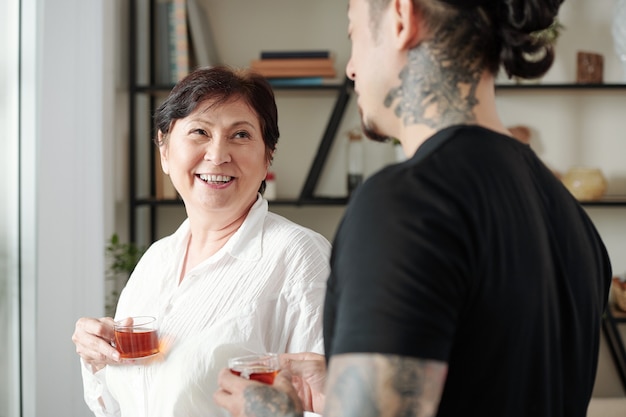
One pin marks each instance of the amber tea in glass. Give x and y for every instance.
(136, 337)
(262, 368)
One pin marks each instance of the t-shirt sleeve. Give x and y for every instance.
(399, 271)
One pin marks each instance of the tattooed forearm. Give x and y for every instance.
(407, 383)
(369, 385)
(418, 385)
(265, 401)
(353, 393)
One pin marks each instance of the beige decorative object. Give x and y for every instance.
(589, 68)
(618, 294)
(585, 184)
(521, 133)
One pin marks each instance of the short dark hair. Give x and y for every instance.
(221, 83)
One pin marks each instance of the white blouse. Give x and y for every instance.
(262, 292)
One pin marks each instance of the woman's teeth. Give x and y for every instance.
(215, 178)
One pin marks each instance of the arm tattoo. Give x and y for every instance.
(410, 383)
(265, 401)
(437, 88)
(372, 385)
(354, 393)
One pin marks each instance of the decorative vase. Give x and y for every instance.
(619, 34)
(585, 184)
(617, 293)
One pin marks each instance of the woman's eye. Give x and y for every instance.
(199, 136)
(242, 134)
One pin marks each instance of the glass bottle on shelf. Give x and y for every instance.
(355, 159)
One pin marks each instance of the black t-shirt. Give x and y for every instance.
(472, 252)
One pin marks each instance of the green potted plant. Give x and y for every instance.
(121, 259)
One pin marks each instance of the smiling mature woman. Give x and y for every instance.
(233, 279)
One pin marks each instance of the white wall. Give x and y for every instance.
(66, 126)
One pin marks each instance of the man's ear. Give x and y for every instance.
(408, 29)
(163, 148)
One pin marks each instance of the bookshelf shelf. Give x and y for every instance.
(316, 201)
(618, 316)
(562, 86)
(607, 201)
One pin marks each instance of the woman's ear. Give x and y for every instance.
(163, 148)
(408, 29)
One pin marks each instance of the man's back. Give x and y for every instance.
(487, 264)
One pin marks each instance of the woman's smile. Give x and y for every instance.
(216, 179)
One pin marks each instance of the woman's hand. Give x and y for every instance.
(93, 338)
(308, 376)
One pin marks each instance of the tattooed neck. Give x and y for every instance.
(265, 401)
(436, 89)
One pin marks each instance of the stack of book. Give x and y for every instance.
(295, 67)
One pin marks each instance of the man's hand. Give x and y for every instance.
(308, 376)
(92, 338)
(245, 398)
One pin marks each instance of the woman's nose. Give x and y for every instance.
(217, 152)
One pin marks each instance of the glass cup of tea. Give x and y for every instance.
(136, 337)
(262, 367)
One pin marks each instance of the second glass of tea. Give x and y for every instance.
(136, 337)
(261, 367)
